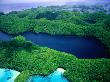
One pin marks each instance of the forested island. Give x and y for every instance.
(31, 59)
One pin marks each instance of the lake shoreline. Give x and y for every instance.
(66, 43)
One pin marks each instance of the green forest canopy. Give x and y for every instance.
(29, 59)
(56, 21)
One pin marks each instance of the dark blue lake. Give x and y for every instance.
(81, 47)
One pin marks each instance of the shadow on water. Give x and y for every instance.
(81, 47)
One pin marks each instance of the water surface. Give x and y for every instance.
(57, 76)
(82, 47)
(7, 75)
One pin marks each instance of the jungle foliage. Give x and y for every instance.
(58, 22)
(43, 61)
(29, 59)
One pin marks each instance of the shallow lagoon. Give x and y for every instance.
(7, 75)
(57, 76)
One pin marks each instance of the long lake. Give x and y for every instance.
(81, 47)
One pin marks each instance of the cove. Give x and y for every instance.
(57, 76)
(7, 75)
(81, 47)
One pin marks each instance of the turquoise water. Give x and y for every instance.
(7, 75)
(57, 76)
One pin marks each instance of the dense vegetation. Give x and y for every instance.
(55, 21)
(29, 59)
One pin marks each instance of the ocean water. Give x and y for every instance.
(57, 76)
(7, 75)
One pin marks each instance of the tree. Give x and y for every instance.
(106, 23)
(50, 15)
